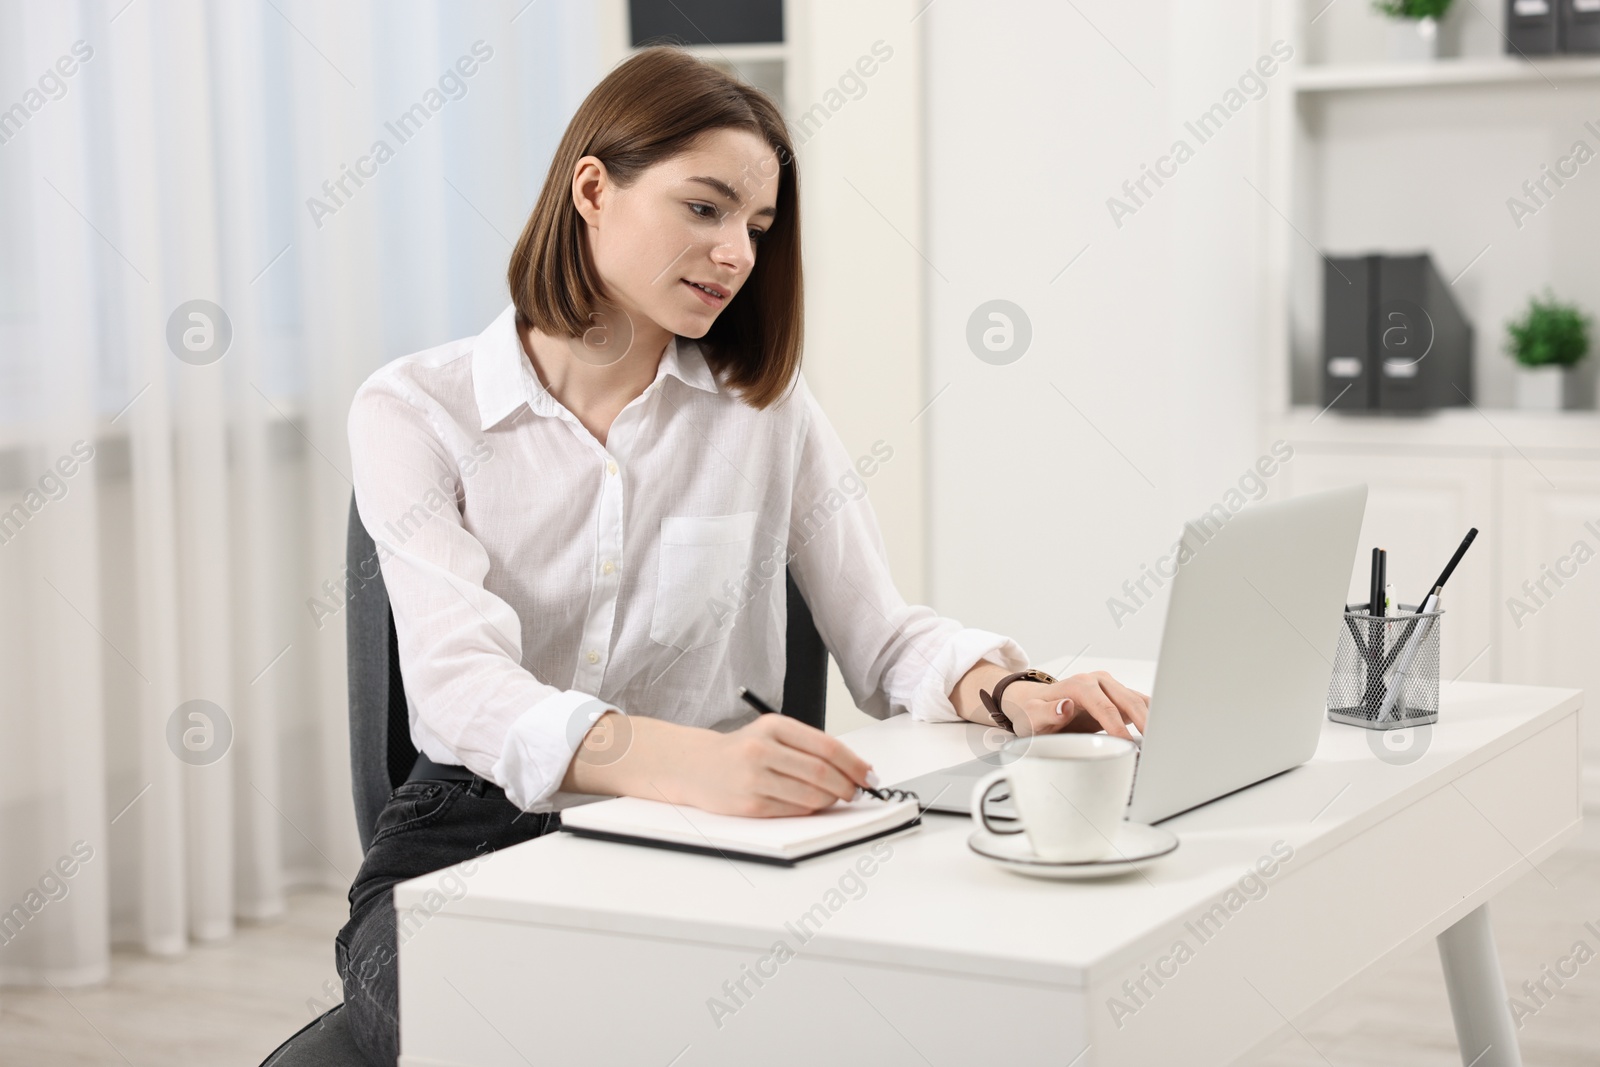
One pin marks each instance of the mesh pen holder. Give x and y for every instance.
(1380, 655)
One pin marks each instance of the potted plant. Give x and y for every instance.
(1414, 33)
(1548, 342)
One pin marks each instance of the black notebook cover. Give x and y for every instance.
(728, 853)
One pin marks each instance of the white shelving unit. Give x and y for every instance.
(1371, 156)
(1364, 155)
(1354, 77)
(771, 66)
(743, 53)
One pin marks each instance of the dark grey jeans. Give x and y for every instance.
(425, 826)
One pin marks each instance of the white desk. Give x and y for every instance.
(564, 950)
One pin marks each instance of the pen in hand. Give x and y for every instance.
(756, 702)
(767, 709)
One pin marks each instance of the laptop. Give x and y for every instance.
(1246, 655)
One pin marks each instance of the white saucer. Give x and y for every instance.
(1136, 843)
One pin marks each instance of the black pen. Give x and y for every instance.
(756, 702)
(1380, 566)
(1372, 648)
(1429, 602)
(1449, 568)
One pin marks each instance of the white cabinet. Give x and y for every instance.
(1548, 605)
(1524, 606)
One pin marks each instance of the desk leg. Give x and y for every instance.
(1484, 1030)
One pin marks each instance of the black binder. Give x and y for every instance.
(1531, 27)
(1580, 25)
(1394, 338)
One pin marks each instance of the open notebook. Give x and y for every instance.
(782, 840)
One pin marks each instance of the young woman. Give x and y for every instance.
(585, 512)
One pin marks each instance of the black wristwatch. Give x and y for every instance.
(991, 700)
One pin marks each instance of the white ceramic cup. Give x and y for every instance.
(1069, 792)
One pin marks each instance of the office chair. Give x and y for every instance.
(381, 753)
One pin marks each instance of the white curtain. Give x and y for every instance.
(173, 731)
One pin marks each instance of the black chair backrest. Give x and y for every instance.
(381, 753)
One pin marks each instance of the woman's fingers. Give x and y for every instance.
(821, 782)
(1103, 698)
(1047, 715)
(1134, 707)
(1093, 699)
(802, 796)
(809, 739)
(1110, 717)
(797, 769)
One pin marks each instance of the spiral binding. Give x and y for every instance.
(892, 794)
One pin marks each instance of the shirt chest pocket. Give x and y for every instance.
(700, 555)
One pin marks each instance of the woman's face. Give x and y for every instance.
(676, 246)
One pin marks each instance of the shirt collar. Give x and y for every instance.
(503, 379)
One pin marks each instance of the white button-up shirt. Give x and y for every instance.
(538, 577)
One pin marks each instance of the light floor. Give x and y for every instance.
(223, 1004)
(231, 1004)
(1404, 1018)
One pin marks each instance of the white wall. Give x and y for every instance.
(1039, 508)
(862, 208)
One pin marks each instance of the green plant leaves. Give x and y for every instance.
(1413, 9)
(1548, 333)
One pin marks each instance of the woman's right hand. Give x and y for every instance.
(773, 765)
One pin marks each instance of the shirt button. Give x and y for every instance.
(594, 657)
(611, 466)
(606, 567)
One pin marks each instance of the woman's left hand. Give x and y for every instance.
(1079, 703)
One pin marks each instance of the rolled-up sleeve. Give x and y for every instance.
(894, 656)
(460, 644)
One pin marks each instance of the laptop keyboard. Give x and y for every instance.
(977, 768)
(971, 769)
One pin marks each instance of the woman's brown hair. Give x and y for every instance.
(653, 106)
